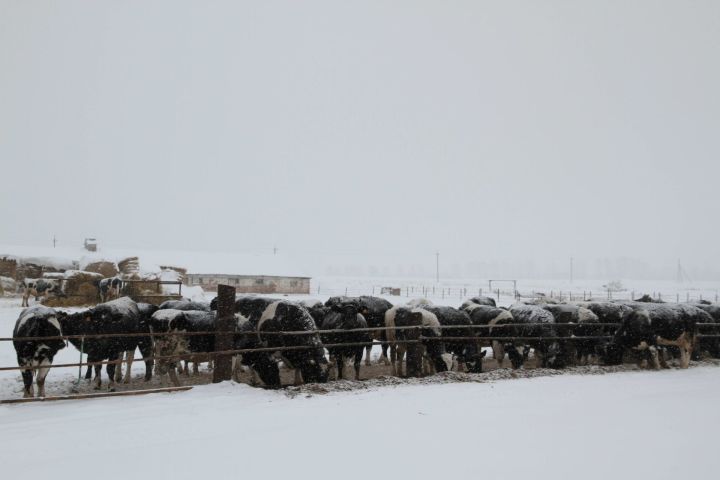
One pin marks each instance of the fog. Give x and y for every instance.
(512, 133)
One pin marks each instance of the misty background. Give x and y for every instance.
(508, 136)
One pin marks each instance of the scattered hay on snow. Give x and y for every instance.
(459, 377)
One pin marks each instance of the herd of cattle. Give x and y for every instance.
(298, 334)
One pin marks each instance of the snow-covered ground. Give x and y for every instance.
(657, 425)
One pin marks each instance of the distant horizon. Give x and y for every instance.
(376, 265)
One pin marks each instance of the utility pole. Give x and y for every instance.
(571, 269)
(275, 250)
(54, 241)
(437, 267)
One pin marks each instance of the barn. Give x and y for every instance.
(250, 283)
(248, 273)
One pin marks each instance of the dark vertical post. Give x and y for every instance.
(224, 332)
(414, 350)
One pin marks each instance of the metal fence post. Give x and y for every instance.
(224, 332)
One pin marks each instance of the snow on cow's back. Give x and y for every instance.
(122, 305)
(38, 311)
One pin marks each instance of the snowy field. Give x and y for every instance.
(644, 424)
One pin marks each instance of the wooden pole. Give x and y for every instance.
(414, 350)
(224, 332)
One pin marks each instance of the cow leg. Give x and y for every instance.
(686, 348)
(498, 353)
(98, 371)
(27, 376)
(186, 367)
(538, 358)
(196, 366)
(173, 377)
(88, 374)
(298, 377)
(663, 360)
(146, 349)
(42, 373)
(368, 351)
(653, 351)
(400, 354)
(235, 368)
(340, 366)
(113, 363)
(332, 368)
(384, 356)
(356, 364)
(117, 377)
(393, 358)
(130, 357)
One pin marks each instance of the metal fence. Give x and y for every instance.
(414, 335)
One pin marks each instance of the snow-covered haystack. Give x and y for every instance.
(8, 266)
(105, 268)
(142, 285)
(79, 288)
(129, 266)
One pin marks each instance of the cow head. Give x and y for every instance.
(554, 356)
(315, 369)
(517, 357)
(610, 354)
(474, 360)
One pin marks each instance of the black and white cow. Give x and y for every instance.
(282, 316)
(468, 350)
(344, 319)
(586, 321)
(196, 347)
(653, 325)
(119, 316)
(109, 288)
(373, 309)
(479, 300)
(40, 287)
(36, 355)
(406, 316)
(491, 316)
(184, 305)
(534, 321)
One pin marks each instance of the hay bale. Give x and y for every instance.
(104, 268)
(129, 266)
(79, 287)
(8, 286)
(8, 267)
(141, 286)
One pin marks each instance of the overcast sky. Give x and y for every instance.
(486, 130)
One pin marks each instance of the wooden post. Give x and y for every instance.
(224, 332)
(414, 350)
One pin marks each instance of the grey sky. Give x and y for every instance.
(488, 130)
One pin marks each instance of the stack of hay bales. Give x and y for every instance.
(103, 267)
(129, 267)
(79, 287)
(8, 266)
